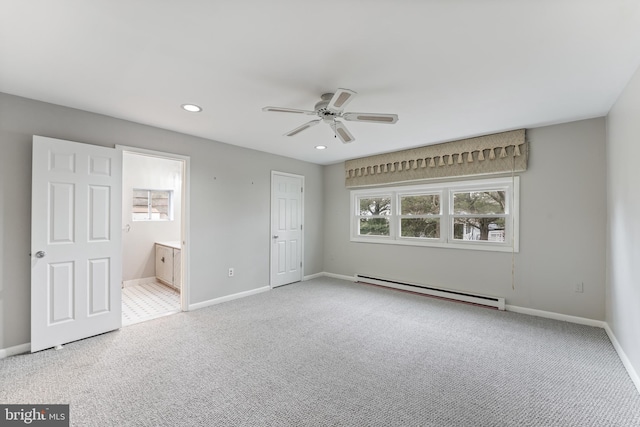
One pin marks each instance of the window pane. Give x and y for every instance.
(479, 202)
(375, 206)
(428, 228)
(420, 205)
(160, 205)
(487, 229)
(374, 226)
(140, 200)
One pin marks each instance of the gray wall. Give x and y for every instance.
(623, 245)
(230, 196)
(562, 232)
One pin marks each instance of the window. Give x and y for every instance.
(419, 215)
(152, 205)
(480, 214)
(373, 215)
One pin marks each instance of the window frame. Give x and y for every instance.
(357, 216)
(401, 216)
(150, 205)
(511, 185)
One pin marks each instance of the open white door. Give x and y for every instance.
(75, 241)
(286, 228)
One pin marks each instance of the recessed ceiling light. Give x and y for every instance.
(321, 147)
(192, 108)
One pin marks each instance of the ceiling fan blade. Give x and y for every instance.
(340, 99)
(341, 131)
(287, 110)
(371, 117)
(303, 127)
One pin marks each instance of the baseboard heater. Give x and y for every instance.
(489, 301)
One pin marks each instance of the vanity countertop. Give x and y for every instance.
(173, 244)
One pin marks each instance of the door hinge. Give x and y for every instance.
(302, 189)
(300, 263)
(300, 226)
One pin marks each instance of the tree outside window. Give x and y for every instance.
(374, 215)
(479, 215)
(420, 216)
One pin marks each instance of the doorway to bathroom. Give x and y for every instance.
(154, 196)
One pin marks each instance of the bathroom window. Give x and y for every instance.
(152, 205)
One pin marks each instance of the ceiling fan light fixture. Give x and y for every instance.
(192, 108)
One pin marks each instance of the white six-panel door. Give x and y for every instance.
(286, 228)
(75, 241)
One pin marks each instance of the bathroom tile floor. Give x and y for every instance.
(148, 301)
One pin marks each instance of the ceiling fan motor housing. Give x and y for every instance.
(321, 108)
(321, 105)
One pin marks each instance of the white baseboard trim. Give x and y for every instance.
(134, 282)
(556, 316)
(623, 357)
(16, 349)
(516, 309)
(215, 301)
(313, 276)
(339, 276)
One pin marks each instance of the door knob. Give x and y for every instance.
(276, 236)
(41, 254)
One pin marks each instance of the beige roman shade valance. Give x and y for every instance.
(490, 154)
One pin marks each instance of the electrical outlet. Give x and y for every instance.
(231, 272)
(579, 287)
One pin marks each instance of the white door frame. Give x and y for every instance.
(302, 183)
(184, 227)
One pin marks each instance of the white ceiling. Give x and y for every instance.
(448, 68)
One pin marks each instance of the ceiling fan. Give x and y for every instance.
(329, 109)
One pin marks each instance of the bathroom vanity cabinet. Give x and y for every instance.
(169, 263)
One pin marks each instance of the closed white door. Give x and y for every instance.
(75, 241)
(286, 228)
